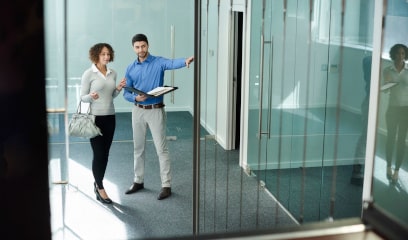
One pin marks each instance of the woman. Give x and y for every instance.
(397, 112)
(98, 87)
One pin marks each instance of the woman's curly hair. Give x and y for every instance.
(394, 50)
(96, 49)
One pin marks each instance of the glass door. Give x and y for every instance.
(56, 103)
(306, 91)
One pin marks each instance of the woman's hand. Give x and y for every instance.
(94, 95)
(121, 84)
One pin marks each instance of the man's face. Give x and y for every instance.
(141, 49)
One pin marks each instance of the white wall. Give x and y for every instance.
(209, 67)
(216, 103)
(224, 74)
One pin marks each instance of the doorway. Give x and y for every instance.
(237, 78)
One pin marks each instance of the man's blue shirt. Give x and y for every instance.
(148, 75)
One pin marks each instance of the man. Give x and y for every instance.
(145, 74)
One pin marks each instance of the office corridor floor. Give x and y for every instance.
(230, 200)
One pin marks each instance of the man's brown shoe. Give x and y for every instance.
(134, 188)
(164, 193)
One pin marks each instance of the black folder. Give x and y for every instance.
(159, 91)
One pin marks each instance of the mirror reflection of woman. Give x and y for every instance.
(397, 112)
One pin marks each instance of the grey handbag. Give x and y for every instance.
(83, 124)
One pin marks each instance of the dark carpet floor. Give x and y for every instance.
(309, 194)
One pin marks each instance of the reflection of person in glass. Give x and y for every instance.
(357, 175)
(397, 112)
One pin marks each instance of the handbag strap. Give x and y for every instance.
(79, 108)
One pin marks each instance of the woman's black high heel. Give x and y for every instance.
(99, 197)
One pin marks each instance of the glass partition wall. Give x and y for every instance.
(72, 27)
(308, 104)
(302, 119)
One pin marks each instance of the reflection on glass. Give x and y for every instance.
(357, 174)
(397, 112)
(390, 181)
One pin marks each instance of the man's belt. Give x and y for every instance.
(150, 106)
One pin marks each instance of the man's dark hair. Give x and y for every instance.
(138, 38)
